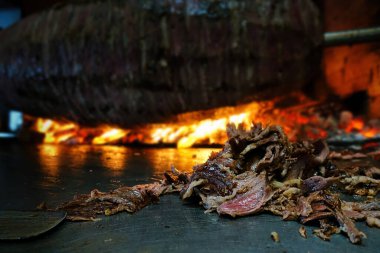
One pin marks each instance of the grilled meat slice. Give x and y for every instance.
(249, 202)
(326, 205)
(130, 199)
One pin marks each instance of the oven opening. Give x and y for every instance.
(343, 120)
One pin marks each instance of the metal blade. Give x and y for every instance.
(16, 225)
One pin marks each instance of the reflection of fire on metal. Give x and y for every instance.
(305, 120)
(49, 158)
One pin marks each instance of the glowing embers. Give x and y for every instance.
(56, 132)
(207, 131)
(204, 128)
(306, 120)
(109, 136)
(71, 133)
(356, 129)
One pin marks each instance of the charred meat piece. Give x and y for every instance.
(260, 170)
(373, 222)
(261, 149)
(326, 230)
(217, 180)
(361, 185)
(317, 183)
(215, 176)
(87, 206)
(361, 210)
(302, 232)
(306, 159)
(130, 199)
(317, 206)
(346, 155)
(326, 205)
(373, 172)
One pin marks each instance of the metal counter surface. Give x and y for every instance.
(32, 174)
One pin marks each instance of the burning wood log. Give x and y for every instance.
(131, 62)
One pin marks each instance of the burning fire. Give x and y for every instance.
(357, 125)
(207, 127)
(109, 136)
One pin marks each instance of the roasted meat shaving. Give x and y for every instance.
(302, 232)
(258, 170)
(262, 155)
(86, 207)
(250, 202)
(326, 230)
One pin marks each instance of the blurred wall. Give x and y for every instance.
(353, 68)
(31, 6)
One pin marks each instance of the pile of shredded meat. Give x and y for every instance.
(258, 170)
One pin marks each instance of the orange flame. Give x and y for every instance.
(109, 136)
(55, 132)
(206, 127)
(358, 125)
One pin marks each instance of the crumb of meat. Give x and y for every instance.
(373, 222)
(275, 237)
(326, 230)
(302, 232)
